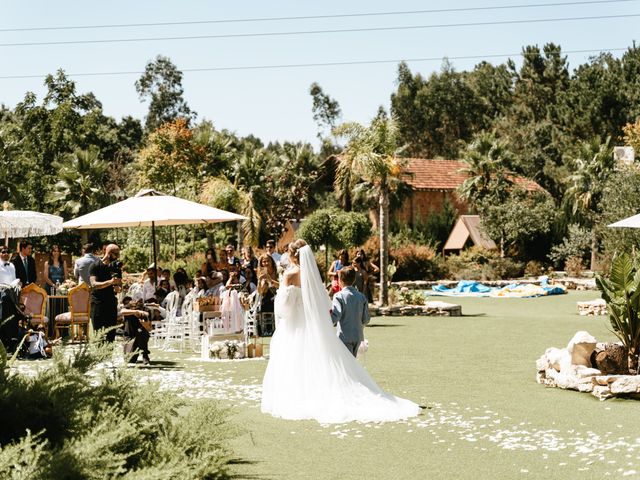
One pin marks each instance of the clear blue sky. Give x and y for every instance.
(274, 104)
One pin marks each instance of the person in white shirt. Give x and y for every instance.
(7, 269)
(271, 250)
(149, 284)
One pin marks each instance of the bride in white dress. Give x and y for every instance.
(311, 374)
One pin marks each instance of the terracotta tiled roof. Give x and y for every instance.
(445, 175)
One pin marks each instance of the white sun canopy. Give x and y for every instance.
(630, 222)
(148, 210)
(24, 223)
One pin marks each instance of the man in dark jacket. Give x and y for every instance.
(25, 264)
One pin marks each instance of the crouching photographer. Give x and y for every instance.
(136, 330)
(106, 277)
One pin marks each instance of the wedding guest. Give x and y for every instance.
(371, 269)
(55, 269)
(7, 269)
(82, 264)
(337, 265)
(267, 282)
(249, 260)
(271, 250)
(181, 280)
(166, 275)
(360, 280)
(215, 285)
(249, 283)
(201, 286)
(210, 263)
(149, 284)
(25, 264)
(10, 314)
(233, 262)
(162, 291)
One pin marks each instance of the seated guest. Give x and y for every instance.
(201, 286)
(149, 284)
(82, 264)
(166, 275)
(136, 331)
(215, 285)
(181, 280)
(25, 264)
(249, 284)
(210, 263)
(55, 270)
(162, 291)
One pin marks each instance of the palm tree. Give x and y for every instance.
(220, 193)
(81, 182)
(489, 181)
(594, 164)
(486, 160)
(371, 154)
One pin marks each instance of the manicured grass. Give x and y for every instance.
(486, 415)
(472, 372)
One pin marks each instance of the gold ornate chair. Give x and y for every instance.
(34, 299)
(79, 311)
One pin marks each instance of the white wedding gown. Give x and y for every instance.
(311, 374)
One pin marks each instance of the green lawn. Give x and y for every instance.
(487, 417)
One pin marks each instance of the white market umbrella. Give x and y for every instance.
(630, 222)
(150, 208)
(25, 223)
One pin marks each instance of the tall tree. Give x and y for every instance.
(80, 187)
(593, 166)
(372, 153)
(161, 85)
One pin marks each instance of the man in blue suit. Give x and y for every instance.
(350, 311)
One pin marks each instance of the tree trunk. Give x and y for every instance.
(632, 361)
(384, 246)
(594, 244)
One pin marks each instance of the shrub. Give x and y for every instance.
(574, 266)
(416, 263)
(479, 264)
(88, 422)
(410, 297)
(533, 268)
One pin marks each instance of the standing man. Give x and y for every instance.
(10, 314)
(82, 265)
(7, 269)
(271, 250)
(233, 262)
(25, 264)
(104, 276)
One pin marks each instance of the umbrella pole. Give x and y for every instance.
(155, 264)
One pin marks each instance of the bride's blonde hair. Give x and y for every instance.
(295, 246)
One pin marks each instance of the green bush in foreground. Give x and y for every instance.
(76, 420)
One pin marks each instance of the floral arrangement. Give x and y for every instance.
(64, 288)
(229, 349)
